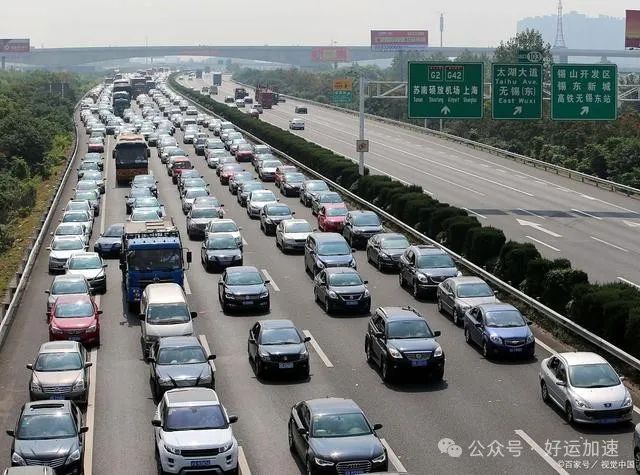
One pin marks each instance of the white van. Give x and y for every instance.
(164, 312)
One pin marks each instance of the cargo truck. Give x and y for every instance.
(198, 73)
(217, 78)
(240, 93)
(265, 97)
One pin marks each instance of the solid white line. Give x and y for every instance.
(242, 462)
(270, 279)
(393, 458)
(530, 213)
(545, 456)
(621, 279)
(473, 212)
(544, 244)
(316, 347)
(207, 350)
(187, 287)
(609, 244)
(586, 214)
(90, 417)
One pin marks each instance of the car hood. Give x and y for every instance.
(368, 229)
(290, 349)
(74, 323)
(440, 272)
(363, 447)
(171, 329)
(473, 301)
(54, 378)
(296, 235)
(393, 252)
(598, 397)
(46, 448)
(223, 253)
(511, 332)
(88, 273)
(246, 289)
(348, 289)
(184, 371)
(269, 169)
(279, 218)
(260, 204)
(197, 439)
(413, 344)
(342, 259)
(335, 219)
(63, 254)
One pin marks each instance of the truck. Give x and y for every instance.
(240, 93)
(265, 97)
(121, 101)
(198, 73)
(151, 252)
(217, 78)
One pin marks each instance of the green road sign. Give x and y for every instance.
(516, 91)
(342, 97)
(584, 92)
(529, 56)
(445, 90)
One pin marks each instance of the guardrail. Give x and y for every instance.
(470, 266)
(534, 162)
(22, 275)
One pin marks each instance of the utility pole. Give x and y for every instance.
(361, 135)
(441, 28)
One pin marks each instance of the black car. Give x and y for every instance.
(199, 145)
(272, 215)
(291, 184)
(243, 287)
(384, 250)
(134, 193)
(322, 250)
(278, 346)
(399, 339)
(237, 178)
(245, 188)
(220, 251)
(423, 267)
(146, 181)
(341, 288)
(110, 242)
(360, 226)
(333, 436)
(309, 188)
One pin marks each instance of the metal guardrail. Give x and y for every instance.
(534, 162)
(470, 266)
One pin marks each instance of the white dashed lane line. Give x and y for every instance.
(271, 281)
(318, 350)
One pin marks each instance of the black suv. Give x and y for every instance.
(360, 226)
(399, 339)
(423, 267)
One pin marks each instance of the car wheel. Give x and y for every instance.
(379, 264)
(568, 413)
(636, 460)
(485, 349)
(467, 335)
(400, 280)
(327, 306)
(156, 390)
(544, 391)
(456, 318)
(292, 447)
(309, 469)
(259, 369)
(315, 295)
(416, 291)
(439, 305)
(385, 370)
(367, 351)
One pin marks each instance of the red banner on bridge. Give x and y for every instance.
(399, 40)
(331, 54)
(632, 30)
(14, 45)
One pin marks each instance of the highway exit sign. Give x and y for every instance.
(584, 91)
(516, 91)
(342, 91)
(441, 90)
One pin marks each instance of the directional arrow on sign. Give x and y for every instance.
(584, 110)
(445, 110)
(538, 227)
(632, 224)
(517, 110)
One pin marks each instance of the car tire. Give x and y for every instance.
(259, 369)
(467, 335)
(367, 352)
(544, 391)
(455, 318)
(327, 306)
(568, 413)
(485, 350)
(439, 306)
(636, 460)
(415, 290)
(379, 264)
(308, 467)
(400, 280)
(156, 390)
(387, 374)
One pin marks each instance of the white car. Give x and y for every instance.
(296, 124)
(61, 249)
(71, 229)
(79, 205)
(226, 226)
(91, 267)
(256, 201)
(192, 432)
(291, 234)
(79, 217)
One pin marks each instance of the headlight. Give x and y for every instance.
(78, 385)
(264, 293)
(206, 379)
(367, 293)
(581, 403)
(352, 263)
(627, 401)
(172, 450)
(438, 352)
(530, 338)
(226, 446)
(304, 354)
(394, 353)
(162, 380)
(332, 294)
(35, 386)
(17, 459)
(320, 265)
(264, 355)
(380, 458)
(459, 274)
(73, 457)
(228, 294)
(495, 339)
(92, 328)
(268, 221)
(55, 330)
(422, 278)
(383, 256)
(323, 463)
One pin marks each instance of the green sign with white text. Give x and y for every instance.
(516, 91)
(584, 92)
(342, 97)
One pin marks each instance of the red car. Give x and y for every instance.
(95, 145)
(177, 167)
(331, 217)
(228, 170)
(281, 170)
(77, 318)
(244, 153)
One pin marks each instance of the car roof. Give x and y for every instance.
(240, 269)
(295, 221)
(60, 346)
(360, 212)
(179, 341)
(494, 307)
(332, 405)
(390, 235)
(322, 236)
(276, 323)
(400, 313)
(340, 270)
(68, 277)
(427, 249)
(466, 279)
(48, 407)
(193, 396)
(73, 298)
(582, 357)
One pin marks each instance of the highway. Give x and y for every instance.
(596, 229)
(480, 404)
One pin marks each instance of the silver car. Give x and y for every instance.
(79, 217)
(71, 229)
(91, 266)
(291, 234)
(226, 226)
(257, 200)
(456, 295)
(66, 285)
(267, 169)
(198, 219)
(190, 195)
(586, 387)
(61, 249)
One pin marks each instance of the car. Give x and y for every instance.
(71, 229)
(280, 171)
(245, 188)
(66, 285)
(192, 430)
(259, 149)
(94, 157)
(324, 250)
(278, 346)
(86, 167)
(217, 157)
(199, 143)
(226, 226)
(259, 158)
(499, 329)
(60, 250)
(228, 169)
(636, 447)
(237, 178)
(110, 242)
(220, 250)
(230, 137)
(423, 267)
(187, 183)
(296, 123)
(49, 433)
(267, 169)
(399, 339)
(178, 362)
(333, 436)
(254, 112)
(198, 220)
(324, 197)
(91, 266)
(134, 193)
(148, 203)
(170, 152)
(244, 152)
(292, 234)
(96, 144)
(75, 318)
(178, 165)
(190, 195)
(189, 135)
(79, 217)
(239, 103)
(212, 143)
(92, 196)
(310, 188)
(144, 215)
(229, 99)
(243, 287)
(341, 288)
(208, 202)
(235, 144)
(360, 226)
(290, 183)
(300, 110)
(456, 295)
(586, 388)
(146, 181)
(257, 200)
(331, 217)
(95, 176)
(384, 250)
(60, 371)
(272, 214)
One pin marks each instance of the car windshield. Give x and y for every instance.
(144, 215)
(195, 193)
(84, 262)
(279, 336)
(69, 286)
(251, 186)
(244, 147)
(333, 248)
(176, 152)
(278, 211)
(79, 217)
(74, 310)
(195, 418)
(294, 177)
(409, 329)
(340, 425)
(92, 175)
(271, 163)
(220, 243)
(223, 228)
(69, 230)
(115, 230)
(395, 243)
(242, 176)
(366, 220)
(298, 228)
(205, 213)
(342, 280)
(317, 186)
(63, 361)
(334, 212)
(244, 278)
(476, 289)
(147, 202)
(162, 314)
(194, 183)
(154, 259)
(182, 164)
(432, 261)
(67, 244)
(598, 375)
(504, 319)
(46, 426)
(182, 355)
(144, 179)
(263, 196)
(331, 197)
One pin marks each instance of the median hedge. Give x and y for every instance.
(610, 310)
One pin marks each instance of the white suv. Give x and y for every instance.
(193, 432)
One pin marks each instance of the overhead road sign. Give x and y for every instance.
(342, 91)
(632, 29)
(584, 92)
(441, 90)
(14, 45)
(399, 40)
(516, 91)
(330, 54)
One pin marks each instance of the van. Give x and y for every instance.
(164, 312)
(248, 100)
(300, 110)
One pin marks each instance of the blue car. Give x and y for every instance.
(499, 329)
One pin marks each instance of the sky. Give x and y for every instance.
(274, 22)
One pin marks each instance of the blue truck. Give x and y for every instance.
(152, 253)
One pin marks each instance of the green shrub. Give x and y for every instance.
(558, 285)
(440, 215)
(483, 245)
(513, 260)
(456, 229)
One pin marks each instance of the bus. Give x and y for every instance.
(131, 154)
(138, 86)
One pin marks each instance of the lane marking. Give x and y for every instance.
(526, 211)
(207, 350)
(393, 458)
(537, 227)
(242, 462)
(316, 347)
(473, 212)
(187, 287)
(244, 242)
(271, 281)
(621, 279)
(631, 224)
(584, 213)
(608, 244)
(540, 451)
(544, 244)
(90, 417)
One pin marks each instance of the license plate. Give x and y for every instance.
(419, 363)
(74, 338)
(352, 303)
(352, 472)
(247, 302)
(285, 365)
(608, 421)
(201, 463)
(515, 350)
(57, 397)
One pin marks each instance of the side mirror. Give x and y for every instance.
(48, 292)
(11, 433)
(529, 322)
(353, 249)
(156, 423)
(194, 314)
(560, 383)
(622, 379)
(377, 426)
(84, 430)
(141, 316)
(233, 419)
(293, 213)
(267, 282)
(189, 257)
(51, 233)
(437, 333)
(365, 282)
(88, 364)
(211, 357)
(30, 366)
(104, 266)
(478, 325)
(99, 312)
(151, 359)
(302, 431)
(48, 248)
(307, 339)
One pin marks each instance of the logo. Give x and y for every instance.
(419, 356)
(284, 358)
(607, 404)
(449, 447)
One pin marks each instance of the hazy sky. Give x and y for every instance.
(286, 22)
